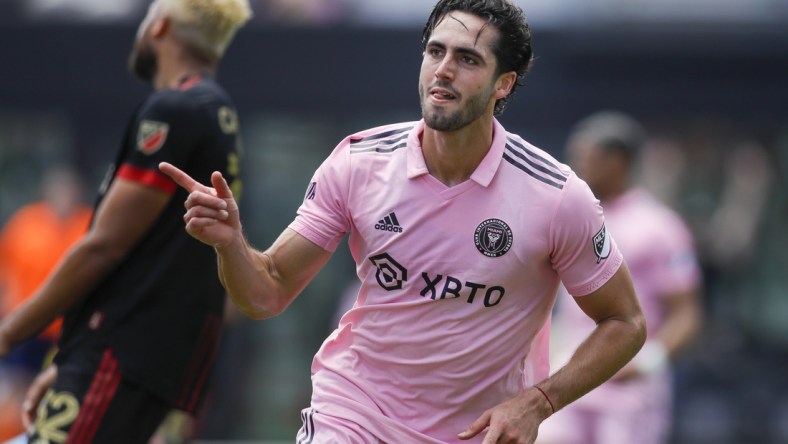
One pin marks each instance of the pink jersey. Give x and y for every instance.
(660, 255)
(457, 283)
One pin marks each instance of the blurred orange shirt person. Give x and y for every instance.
(31, 245)
(37, 236)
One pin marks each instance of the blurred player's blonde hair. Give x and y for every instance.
(208, 26)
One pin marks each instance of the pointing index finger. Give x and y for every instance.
(180, 177)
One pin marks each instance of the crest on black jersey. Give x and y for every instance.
(228, 120)
(151, 136)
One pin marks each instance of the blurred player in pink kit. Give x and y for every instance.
(634, 406)
(461, 233)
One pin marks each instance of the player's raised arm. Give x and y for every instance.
(261, 284)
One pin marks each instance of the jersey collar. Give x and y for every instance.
(483, 174)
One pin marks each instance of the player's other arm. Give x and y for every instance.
(261, 283)
(126, 213)
(619, 334)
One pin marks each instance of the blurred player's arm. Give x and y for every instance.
(126, 213)
(619, 334)
(681, 325)
(260, 283)
(682, 322)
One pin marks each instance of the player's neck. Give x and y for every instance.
(452, 157)
(171, 70)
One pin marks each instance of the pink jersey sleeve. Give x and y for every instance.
(323, 217)
(583, 253)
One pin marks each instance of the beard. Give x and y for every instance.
(142, 61)
(472, 110)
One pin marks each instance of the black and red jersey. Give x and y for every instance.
(160, 310)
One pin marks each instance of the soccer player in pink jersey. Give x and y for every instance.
(633, 407)
(461, 233)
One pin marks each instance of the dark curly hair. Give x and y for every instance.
(513, 50)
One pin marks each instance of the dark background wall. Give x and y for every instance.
(735, 72)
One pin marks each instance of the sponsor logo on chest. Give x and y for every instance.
(392, 275)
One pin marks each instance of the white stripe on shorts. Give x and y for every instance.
(307, 432)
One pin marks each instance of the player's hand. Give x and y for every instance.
(211, 213)
(35, 393)
(515, 421)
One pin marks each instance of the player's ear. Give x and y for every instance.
(160, 27)
(504, 84)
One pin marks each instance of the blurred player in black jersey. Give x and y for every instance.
(142, 301)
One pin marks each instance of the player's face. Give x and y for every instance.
(142, 60)
(457, 79)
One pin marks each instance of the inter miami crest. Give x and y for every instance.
(601, 244)
(151, 136)
(493, 238)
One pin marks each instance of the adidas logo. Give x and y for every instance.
(389, 223)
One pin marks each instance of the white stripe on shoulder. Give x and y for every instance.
(382, 140)
(534, 162)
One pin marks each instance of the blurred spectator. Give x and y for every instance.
(397, 13)
(301, 12)
(31, 244)
(34, 240)
(730, 238)
(85, 10)
(734, 388)
(635, 406)
(585, 13)
(410, 12)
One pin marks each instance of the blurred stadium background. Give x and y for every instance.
(709, 78)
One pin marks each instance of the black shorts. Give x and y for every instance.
(94, 404)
